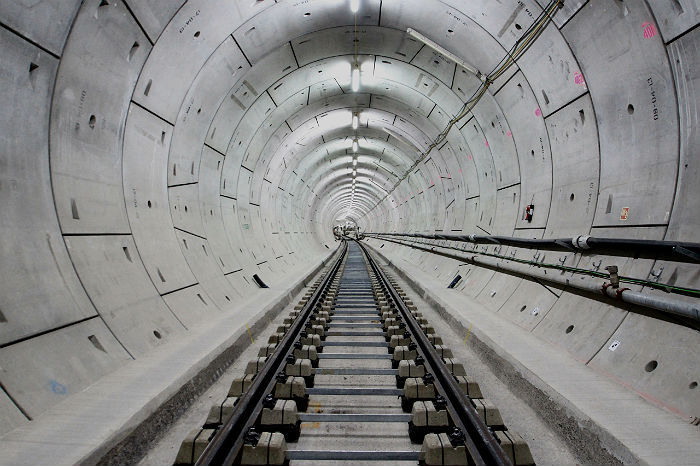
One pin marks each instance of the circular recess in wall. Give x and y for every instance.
(569, 329)
(196, 34)
(149, 204)
(157, 334)
(693, 385)
(571, 198)
(651, 365)
(630, 109)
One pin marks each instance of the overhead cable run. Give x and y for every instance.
(515, 53)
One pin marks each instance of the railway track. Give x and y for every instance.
(354, 375)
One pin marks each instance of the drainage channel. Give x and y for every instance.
(354, 375)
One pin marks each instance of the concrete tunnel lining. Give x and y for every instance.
(156, 155)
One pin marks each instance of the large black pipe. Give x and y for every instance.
(638, 248)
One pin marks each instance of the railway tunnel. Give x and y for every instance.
(172, 175)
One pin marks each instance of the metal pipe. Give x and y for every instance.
(676, 251)
(660, 303)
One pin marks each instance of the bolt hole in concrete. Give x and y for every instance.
(569, 329)
(157, 334)
(196, 34)
(651, 365)
(630, 109)
(693, 385)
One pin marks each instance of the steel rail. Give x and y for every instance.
(481, 444)
(226, 445)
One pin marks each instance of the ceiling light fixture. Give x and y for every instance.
(447, 54)
(355, 78)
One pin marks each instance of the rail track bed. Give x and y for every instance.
(354, 375)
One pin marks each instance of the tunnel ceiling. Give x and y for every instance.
(173, 150)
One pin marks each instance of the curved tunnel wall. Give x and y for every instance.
(156, 155)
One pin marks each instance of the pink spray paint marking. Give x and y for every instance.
(470, 156)
(509, 134)
(487, 143)
(538, 112)
(578, 78)
(649, 30)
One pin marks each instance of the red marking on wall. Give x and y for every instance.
(470, 156)
(649, 30)
(625, 213)
(487, 143)
(538, 112)
(460, 170)
(509, 134)
(579, 79)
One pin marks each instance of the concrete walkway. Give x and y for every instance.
(86, 426)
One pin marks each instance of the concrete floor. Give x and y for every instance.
(547, 448)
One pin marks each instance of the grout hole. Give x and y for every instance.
(693, 385)
(74, 210)
(202, 299)
(2, 317)
(96, 343)
(196, 34)
(149, 204)
(33, 67)
(133, 50)
(572, 197)
(518, 27)
(569, 329)
(630, 109)
(148, 87)
(93, 120)
(126, 253)
(522, 309)
(651, 365)
(157, 334)
(160, 275)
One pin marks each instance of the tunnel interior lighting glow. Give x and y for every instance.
(355, 145)
(354, 162)
(354, 5)
(355, 121)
